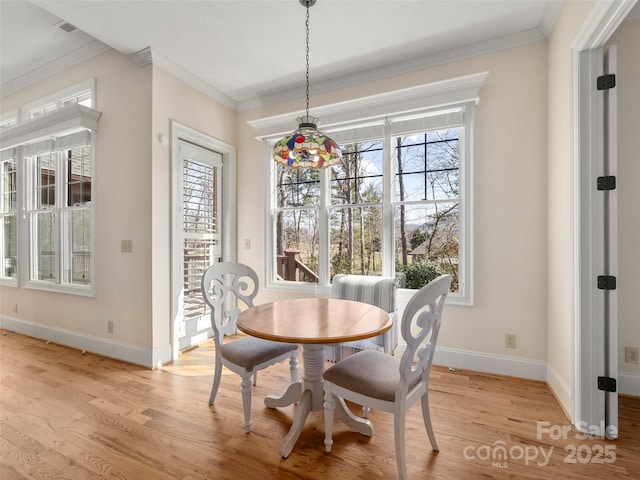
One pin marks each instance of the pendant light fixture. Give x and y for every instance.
(307, 146)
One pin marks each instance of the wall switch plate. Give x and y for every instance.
(510, 341)
(631, 355)
(126, 246)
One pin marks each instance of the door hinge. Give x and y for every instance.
(606, 282)
(606, 183)
(605, 82)
(607, 384)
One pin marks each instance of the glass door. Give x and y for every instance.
(200, 219)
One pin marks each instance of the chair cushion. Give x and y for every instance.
(369, 372)
(247, 352)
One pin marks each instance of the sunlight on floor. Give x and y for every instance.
(196, 361)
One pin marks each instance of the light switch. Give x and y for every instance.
(126, 246)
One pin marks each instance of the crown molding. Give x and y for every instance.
(142, 58)
(80, 55)
(147, 56)
(549, 17)
(448, 56)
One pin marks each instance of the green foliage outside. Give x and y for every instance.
(340, 264)
(422, 272)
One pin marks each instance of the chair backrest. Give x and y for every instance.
(223, 284)
(374, 290)
(419, 328)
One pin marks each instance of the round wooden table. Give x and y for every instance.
(312, 322)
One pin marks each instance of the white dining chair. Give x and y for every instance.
(374, 290)
(386, 383)
(223, 285)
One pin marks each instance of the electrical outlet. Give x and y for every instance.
(110, 326)
(631, 355)
(247, 244)
(15, 308)
(510, 341)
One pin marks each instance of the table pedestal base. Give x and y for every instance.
(310, 397)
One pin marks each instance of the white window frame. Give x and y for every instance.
(416, 108)
(58, 100)
(8, 155)
(60, 122)
(8, 119)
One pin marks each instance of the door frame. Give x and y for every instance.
(228, 224)
(588, 405)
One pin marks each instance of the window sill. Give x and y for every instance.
(56, 288)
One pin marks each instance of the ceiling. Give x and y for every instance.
(247, 53)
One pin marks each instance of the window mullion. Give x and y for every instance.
(62, 214)
(323, 220)
(388, 190)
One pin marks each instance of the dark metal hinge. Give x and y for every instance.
(606, 282)
(607, 384)
(605, 82)
(606, 183)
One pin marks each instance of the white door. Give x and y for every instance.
(199, 219)
(599, 332)
(610, 199)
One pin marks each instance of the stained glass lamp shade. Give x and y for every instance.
(307, 147)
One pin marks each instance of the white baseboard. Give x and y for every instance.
(497, 364)
(561, 389)
(102, 346)
(629, 384)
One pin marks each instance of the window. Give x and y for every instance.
(425, 206)
(398, 204)
(59, 209)
(8, 120)
(8, 219)
(46, 172)
(81, 94)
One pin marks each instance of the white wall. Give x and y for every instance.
(175, 100)
(627, 39)
(510, 203)
(123, 186)
(559, 338)
(133, 176)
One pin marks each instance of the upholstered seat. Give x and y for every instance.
(223, 284)
(379, 381)
(355, 371)
(374, 290)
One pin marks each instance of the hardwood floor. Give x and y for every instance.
(68, 415)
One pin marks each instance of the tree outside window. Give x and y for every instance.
(425, 205)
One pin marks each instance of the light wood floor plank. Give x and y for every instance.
(65, 414)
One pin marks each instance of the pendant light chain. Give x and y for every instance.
(307, 24)
(307, 147)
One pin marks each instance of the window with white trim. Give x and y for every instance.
(399, 203)
(46, 193)
(58, 207)
(8, 217)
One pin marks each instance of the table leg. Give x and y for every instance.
(312, 396)
(291, 396)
